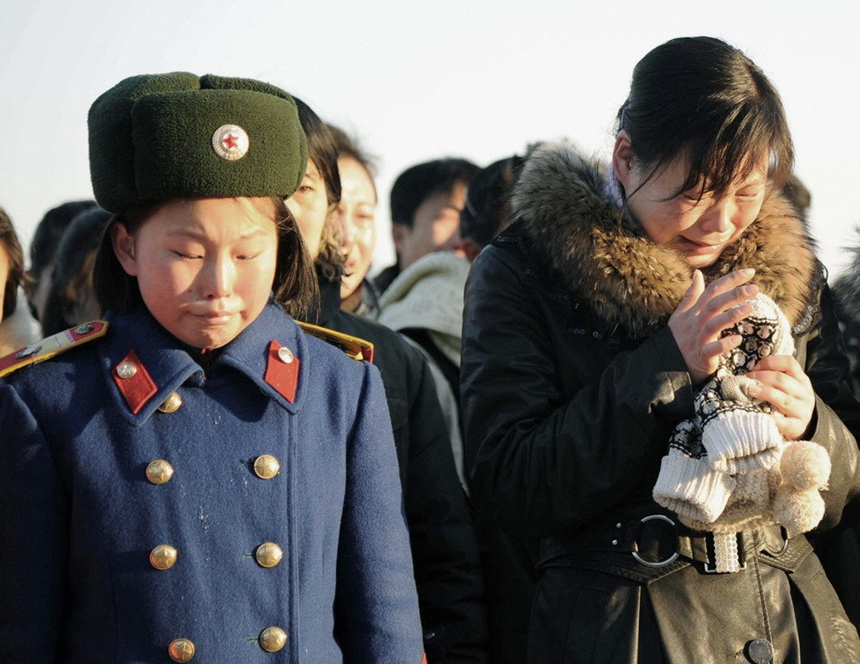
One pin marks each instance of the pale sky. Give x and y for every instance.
(415, 81)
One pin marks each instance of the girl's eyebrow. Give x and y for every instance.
(194, 234)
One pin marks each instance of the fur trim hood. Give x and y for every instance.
(605, 259)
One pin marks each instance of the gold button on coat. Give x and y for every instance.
(159, 472)
(171, 403)
(268, 554)
(163, 557)
(266, 466)
(181, 650)
(126, 370)
(272, 639)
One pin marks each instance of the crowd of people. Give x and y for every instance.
(593, 412)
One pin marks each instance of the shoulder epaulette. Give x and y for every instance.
(356, 348)
(53, 345)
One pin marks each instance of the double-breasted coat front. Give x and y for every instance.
(158, 503)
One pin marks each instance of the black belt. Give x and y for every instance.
(658, 540)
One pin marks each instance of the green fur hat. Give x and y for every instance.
(163, 136)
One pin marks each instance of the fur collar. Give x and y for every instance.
(628, 280)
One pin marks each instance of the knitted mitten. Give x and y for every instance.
(738, 431)
(687, 484)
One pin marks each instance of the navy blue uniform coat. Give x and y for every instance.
(78, 517)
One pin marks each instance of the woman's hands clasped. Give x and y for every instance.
(697, 325)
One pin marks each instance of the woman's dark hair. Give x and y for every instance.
(348, 146)
(50, 230)
(702, 95)
(322, 151)
(487, 210)
(10, 244)
(73, 269)
(294, 287)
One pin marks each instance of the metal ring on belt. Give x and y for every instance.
(660, 563)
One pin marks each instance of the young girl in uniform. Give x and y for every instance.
(194, 478)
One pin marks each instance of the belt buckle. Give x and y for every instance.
(713, 570)
(660, 563)
(742, 565)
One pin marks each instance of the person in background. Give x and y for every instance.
(17, 329)
(425, 301)
(356, 220)
(72, 299)
(195, 477)
(444, 547)
(43, 247)
(597, 334)
(487, 207)
(839, 549)
(847, 294)
(426, 200)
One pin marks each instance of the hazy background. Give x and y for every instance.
(418, 81)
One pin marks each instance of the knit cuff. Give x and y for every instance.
(691, 488)
(740, 440)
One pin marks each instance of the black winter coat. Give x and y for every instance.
(571, 386)
(448, 571)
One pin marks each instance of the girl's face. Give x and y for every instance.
(698, 229)
(309, 206)
(356, 216)
(205, 267)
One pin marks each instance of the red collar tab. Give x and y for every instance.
(134, 381)
(282, 370)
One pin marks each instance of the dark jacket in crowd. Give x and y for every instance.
(153, 499)
(839, 549)
(571, 387)
(384, 279)
(444, 547)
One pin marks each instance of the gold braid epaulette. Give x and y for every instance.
(60, 342)
(354, 347)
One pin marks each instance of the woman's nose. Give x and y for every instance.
(347, 229)
(718, 218)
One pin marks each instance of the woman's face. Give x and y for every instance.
(309, 205)
(205, 267)
(4, 276)
(698, 229)
(356, 216)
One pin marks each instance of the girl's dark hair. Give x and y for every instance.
(294, 287)
(487, 210)
(705, 96)
(10, 244)
(73, 268)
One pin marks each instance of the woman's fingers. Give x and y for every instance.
(783, 384)
(731, 299)
(694, 292)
